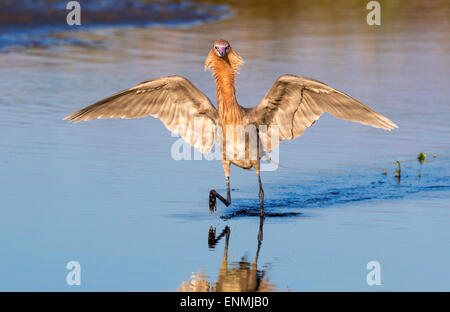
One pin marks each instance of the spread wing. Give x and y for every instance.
(295, 103)
(174, 100)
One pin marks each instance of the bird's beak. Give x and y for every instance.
(221, 51)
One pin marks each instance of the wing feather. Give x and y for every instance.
(294, 103)
(174, 100)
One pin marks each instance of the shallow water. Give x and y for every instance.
(108, 194)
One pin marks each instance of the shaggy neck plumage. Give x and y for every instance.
(224, 71)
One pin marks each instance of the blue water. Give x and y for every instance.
(46, 19)
(108, 194)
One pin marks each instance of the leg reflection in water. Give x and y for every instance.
(235, 276)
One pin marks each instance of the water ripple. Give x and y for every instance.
(338, 189)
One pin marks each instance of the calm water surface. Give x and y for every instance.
(108, 194)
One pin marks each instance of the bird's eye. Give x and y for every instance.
(226, 48)
(217, 48)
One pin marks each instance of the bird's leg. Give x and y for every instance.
(213, 195)
(261, 195)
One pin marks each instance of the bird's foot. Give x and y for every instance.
(212, 201)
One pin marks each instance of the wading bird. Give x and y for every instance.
(291, 105)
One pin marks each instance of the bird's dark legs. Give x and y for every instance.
(227, 179)
(261, 195)
(213, 195)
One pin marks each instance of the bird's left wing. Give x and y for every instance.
(182, 108)
(295, 103)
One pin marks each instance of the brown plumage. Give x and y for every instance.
(289, 107)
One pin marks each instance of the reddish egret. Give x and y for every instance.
(291, 105)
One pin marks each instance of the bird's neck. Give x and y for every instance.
(230, 113)
(229, 110)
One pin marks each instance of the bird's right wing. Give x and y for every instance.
(182, 108)
(295, 103)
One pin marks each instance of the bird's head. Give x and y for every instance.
(221, 53)
(221, 48)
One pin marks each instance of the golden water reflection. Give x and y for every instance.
(237, 276)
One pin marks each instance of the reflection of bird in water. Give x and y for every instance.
(241, 276)
(289, 107)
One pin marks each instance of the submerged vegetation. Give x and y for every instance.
(398, 171)
(421, 159)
